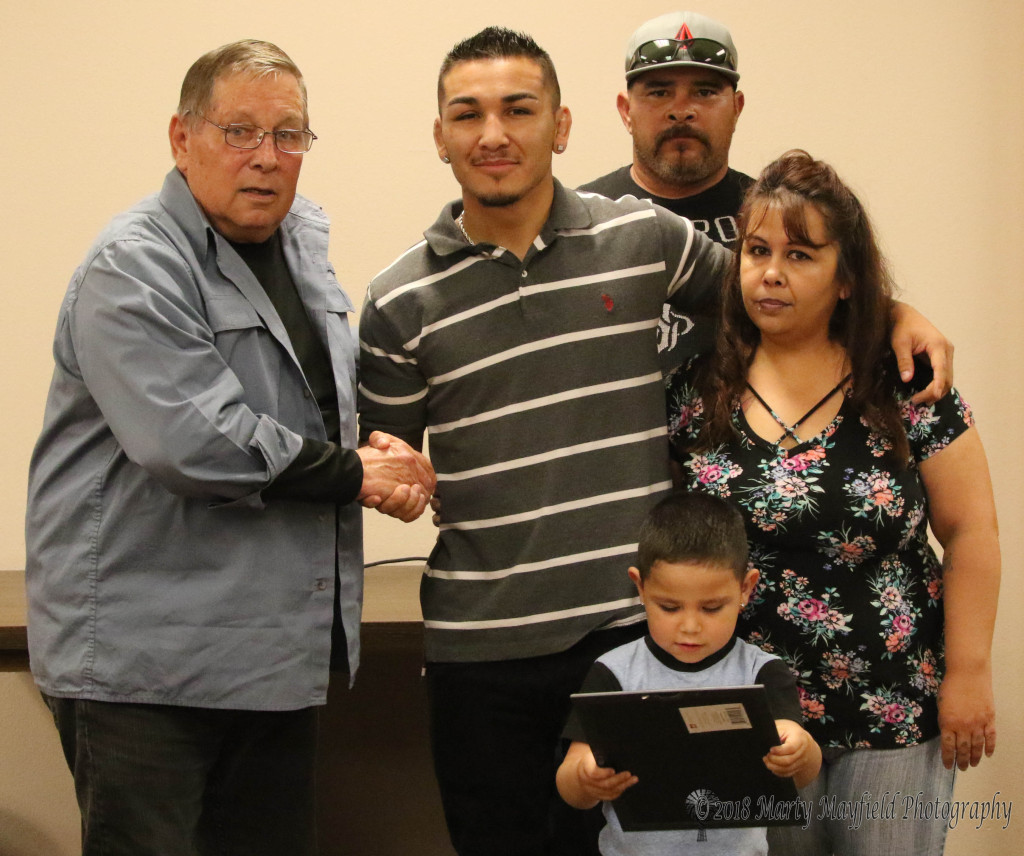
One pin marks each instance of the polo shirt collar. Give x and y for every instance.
(445, 237)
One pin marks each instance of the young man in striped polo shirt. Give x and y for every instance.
(521, 335)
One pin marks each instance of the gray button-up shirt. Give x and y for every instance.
(156, 572)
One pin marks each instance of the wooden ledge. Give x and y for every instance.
(12, 611)
(391, 599)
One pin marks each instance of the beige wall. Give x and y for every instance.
(916, 103)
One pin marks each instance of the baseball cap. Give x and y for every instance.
(677, 27)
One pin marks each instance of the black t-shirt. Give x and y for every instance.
(712, 211)
(323, 472)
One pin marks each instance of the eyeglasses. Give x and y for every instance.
(706, 51)
(288, 140)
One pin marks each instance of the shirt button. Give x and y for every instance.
(306, 393)
(524, 274)
(321, 585)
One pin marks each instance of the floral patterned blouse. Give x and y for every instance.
(850, 593)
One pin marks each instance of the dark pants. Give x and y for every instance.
(158, 780)
(496, 736)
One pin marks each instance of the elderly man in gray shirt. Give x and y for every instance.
(193, 528)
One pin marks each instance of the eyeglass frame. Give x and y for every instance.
(263, 133)
(636, 65)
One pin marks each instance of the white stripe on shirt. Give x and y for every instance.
(380, 352)
(394, 400)
(546, 400)
(540, 618)
(529, 291)
(558, 508)
(428, 280)
(529, 567)
(554, 454)
(680, 279)
(543, 345)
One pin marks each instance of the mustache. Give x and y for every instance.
(677, 132)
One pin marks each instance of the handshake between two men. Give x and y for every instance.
(397, 480)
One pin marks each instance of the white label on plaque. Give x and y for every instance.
(714, 717)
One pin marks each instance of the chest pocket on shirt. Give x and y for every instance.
(251, 353)
(231, 313)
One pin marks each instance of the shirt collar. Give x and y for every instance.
(568, 211)
(666, 659)
(177, 199)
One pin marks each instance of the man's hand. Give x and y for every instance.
(912, 334)
(397, 480)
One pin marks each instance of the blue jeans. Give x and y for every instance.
(899, 786)
(158, 780)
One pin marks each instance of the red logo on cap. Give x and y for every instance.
(684, 33)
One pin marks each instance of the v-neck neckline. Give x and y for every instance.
(781, 451)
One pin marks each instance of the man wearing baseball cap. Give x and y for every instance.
(681, 106)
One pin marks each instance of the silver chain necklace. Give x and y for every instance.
(462, 226)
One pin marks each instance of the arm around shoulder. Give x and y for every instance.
(697, 266)
(912, 334)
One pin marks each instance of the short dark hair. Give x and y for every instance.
(693, 527)
(500, 43)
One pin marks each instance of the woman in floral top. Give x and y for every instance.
(801, 418)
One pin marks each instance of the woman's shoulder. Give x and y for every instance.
(923, 375)
(933, 425)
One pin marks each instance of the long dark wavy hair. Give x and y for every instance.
(861, 323)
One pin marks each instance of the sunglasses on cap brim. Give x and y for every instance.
(703, 51)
